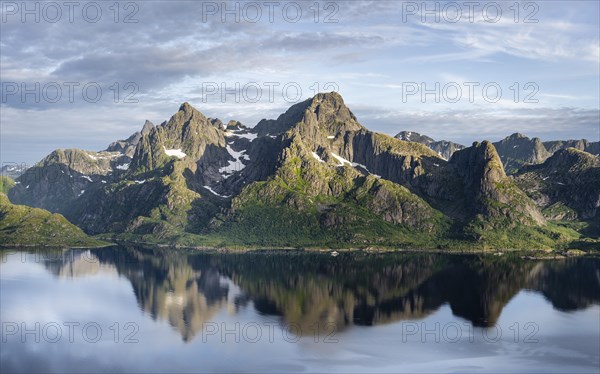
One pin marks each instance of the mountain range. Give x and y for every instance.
(515, 151)
(443, 147)
(315, 177)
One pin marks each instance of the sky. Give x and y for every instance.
(84, 74)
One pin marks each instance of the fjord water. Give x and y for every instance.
(131, 309)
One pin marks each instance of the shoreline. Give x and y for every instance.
(534, 254)
(525, 254)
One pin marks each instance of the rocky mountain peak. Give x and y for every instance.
(572, 159)
(516, 135)
(480, 162)
(148, 126)
(186, 107)
(480, 167)
(485, 181)
(235, 125)
(330, 111)
(127, 146)
(184, 136)
(517, 150)
(217, 123)
(187, 112)
(411, 136)
(326, 111)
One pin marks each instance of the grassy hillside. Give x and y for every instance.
(24, 226)
(6, 183)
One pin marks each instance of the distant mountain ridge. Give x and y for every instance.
(515, 150)
(312, 177)
(565, 186)
(13, 170)
(443, 147)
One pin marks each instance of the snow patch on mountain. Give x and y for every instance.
(236, 164)
(174, 152)
(241, 134)
(215, 193)
(317, 157)
(341, 160)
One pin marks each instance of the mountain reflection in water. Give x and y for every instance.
(187, 288)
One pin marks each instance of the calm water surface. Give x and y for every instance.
(130, 309)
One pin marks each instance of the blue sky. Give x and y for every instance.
(372, 51)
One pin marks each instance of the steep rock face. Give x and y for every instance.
(518, 150)
(443, 147)
(487, 191)
(566, 186)
(480, 167)
(399, 161)
(127, 146)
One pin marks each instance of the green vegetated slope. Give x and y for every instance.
(6, 184)
(21, 225)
